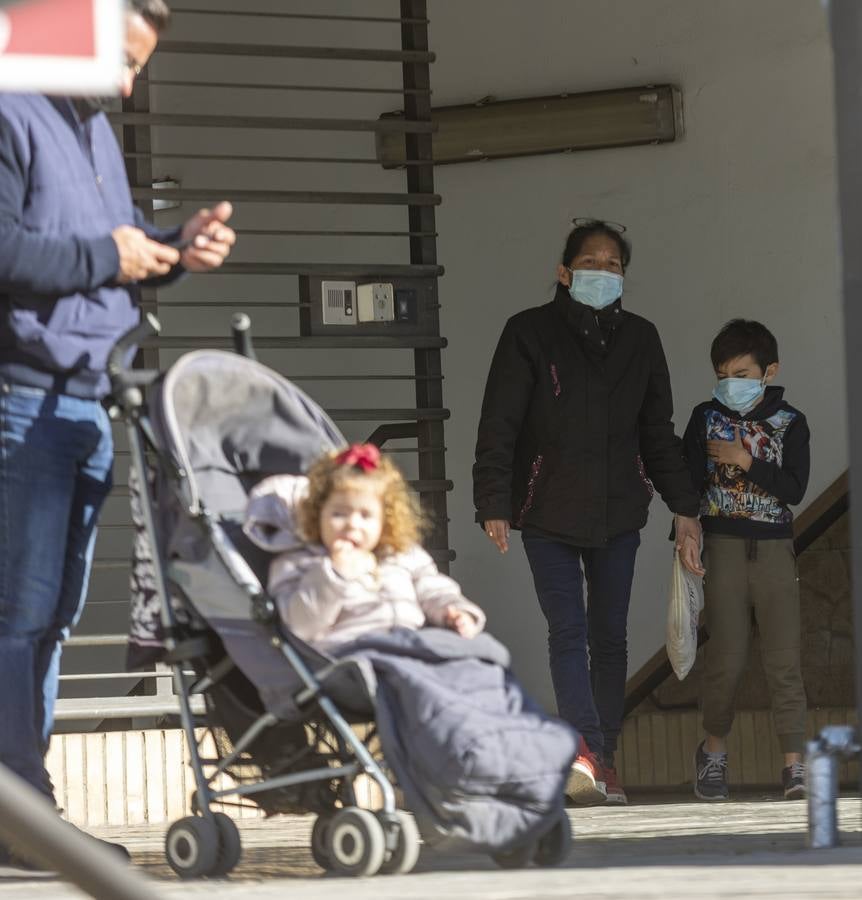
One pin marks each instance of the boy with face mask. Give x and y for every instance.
(748, 451)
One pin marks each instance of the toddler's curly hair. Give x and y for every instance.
(402, 520)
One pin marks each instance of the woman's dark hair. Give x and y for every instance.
(579, 234)
(156, 12)
(740, 337)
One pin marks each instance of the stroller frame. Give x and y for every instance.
(208, 843)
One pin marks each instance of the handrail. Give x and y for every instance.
(163, 703)
(822, 513)
(812, 523)
(96, 640)
(279, 51)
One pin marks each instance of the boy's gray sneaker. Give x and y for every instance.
(793, 781)
(710, 775)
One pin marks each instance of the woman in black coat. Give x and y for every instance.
(574, 437)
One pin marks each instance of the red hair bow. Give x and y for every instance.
(362, 456)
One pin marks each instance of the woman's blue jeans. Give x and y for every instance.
(586, 640)
(55, 472)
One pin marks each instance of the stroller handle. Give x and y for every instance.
(121, 376)
(240, 326)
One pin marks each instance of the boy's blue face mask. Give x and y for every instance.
(739, 394)
(595, 288)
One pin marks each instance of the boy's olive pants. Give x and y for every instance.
(744, 575)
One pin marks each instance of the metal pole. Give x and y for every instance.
(29, 821)
(833, 745)
(846, 25)
(416, 78)
(822, 785)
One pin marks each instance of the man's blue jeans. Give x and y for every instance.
(586, 641)
(55, 472)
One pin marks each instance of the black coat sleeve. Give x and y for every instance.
(36, 263)
(661, 449)
(694, 448)
(510, 384)
(788, 481)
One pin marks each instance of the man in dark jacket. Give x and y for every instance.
(575, 431)
(73, 252)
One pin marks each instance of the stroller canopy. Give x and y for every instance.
(226, 420)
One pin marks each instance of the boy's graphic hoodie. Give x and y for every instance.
(752, 504)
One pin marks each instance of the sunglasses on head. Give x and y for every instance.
(586, 222)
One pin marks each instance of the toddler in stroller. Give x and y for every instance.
(360, 568)
(480, 767)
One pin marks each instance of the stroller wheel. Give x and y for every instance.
(318, 841)
(554, 845)
(230, 845)
(406, 853)
(519, 858)
(192, 847)
(355, 842)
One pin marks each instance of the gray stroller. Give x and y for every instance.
(281, 715)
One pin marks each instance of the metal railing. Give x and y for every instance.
(161, 703)
(331, 117)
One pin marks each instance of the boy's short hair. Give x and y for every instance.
(740, 337)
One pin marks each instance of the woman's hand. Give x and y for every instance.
(461, 621)
(498, 531)
(350, 562)
(688, 532)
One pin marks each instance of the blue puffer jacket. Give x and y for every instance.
(63, 190)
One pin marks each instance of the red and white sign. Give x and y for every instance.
(61, 46)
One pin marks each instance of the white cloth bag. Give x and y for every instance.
(683, 612)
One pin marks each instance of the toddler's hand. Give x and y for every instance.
(460, 621)
(350, 562)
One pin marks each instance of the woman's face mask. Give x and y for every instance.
(739, 394)
(595, 287)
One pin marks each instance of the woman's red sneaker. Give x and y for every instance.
(585, 786)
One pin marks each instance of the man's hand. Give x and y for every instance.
(730, 453)
(461, 621)
(350, 562)
(688, 532)
(140, 257)
(498, 531)
(209, 239)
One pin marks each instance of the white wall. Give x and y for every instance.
(739, 218)
(736, 219)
